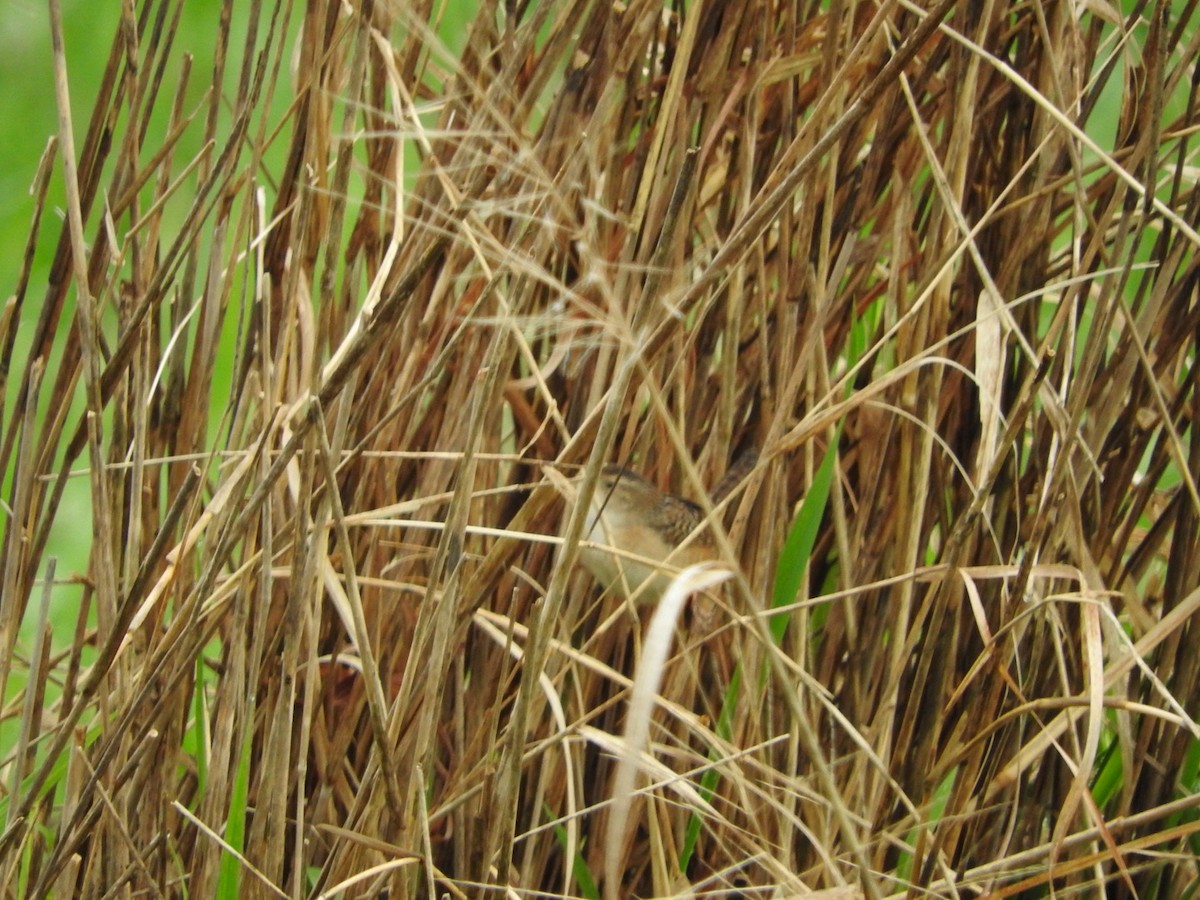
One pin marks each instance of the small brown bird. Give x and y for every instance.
(643, 530)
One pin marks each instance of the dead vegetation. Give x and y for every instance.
(939, 264)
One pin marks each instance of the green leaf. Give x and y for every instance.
(797, 549)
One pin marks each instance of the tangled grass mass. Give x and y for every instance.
(341, 291)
